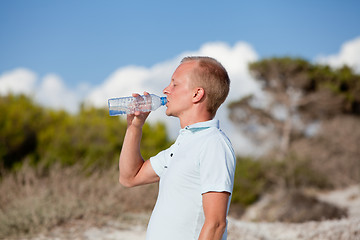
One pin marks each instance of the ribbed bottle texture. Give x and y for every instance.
(130, 105)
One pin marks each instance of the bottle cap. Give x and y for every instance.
(163, 100)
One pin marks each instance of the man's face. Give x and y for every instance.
(179, 94)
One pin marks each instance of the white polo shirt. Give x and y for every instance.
(201, 160)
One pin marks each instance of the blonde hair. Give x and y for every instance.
(210, 75)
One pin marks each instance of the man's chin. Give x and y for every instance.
(168, 113)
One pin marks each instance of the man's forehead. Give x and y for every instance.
(185, 67)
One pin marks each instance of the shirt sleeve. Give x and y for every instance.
(158, 162)
(217, 165)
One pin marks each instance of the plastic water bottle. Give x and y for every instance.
(130, 105)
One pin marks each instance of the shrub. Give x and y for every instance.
(254, 177)
(249, 181)
(294, 172)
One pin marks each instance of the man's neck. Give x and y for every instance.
(192, 119)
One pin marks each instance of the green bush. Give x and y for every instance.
(91, 137)
(19, 124)
(249, 181)
(254, 177)
(294, 172)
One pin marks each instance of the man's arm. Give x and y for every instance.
(215, 209)
(133, 170)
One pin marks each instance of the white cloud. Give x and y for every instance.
(121, 83)
(349, 54)
(17, 81)
(50, 91)
(53, 93)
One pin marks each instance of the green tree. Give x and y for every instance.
(296, 95)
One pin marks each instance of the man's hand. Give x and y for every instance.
(138, 118)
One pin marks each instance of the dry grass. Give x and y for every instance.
(33, 202)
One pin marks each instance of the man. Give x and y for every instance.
(196, 173)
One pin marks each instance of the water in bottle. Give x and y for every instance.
(130, 105)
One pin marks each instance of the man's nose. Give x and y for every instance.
(166, 90)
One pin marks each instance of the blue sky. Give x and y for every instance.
(63, 53)
(84, 41)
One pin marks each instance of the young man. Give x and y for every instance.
(196, 173)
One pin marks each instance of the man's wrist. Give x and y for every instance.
(133, 127)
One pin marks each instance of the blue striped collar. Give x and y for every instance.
(196, 127)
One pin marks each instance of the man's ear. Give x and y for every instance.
(198, 94)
